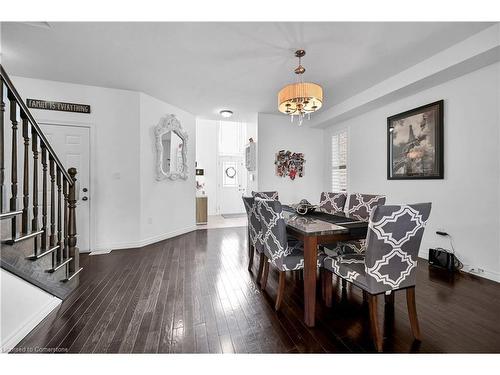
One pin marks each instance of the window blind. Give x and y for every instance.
(339, 161)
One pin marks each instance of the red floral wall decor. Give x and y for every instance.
(289, 164)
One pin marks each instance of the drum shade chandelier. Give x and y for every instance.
(300, 98)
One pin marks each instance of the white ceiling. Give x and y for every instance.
(204, 67)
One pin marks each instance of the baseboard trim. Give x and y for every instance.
(145, 242)
(21, 333)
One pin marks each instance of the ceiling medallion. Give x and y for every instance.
(300, 98)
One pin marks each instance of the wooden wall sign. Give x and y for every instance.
(57, 106)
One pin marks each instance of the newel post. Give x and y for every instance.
(73, 251)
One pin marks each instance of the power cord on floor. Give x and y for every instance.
(458, 264)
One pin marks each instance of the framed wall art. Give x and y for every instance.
(289, 164)
(415, 143)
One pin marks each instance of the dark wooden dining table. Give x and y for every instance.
(315, 229)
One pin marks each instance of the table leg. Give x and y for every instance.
(310, 267)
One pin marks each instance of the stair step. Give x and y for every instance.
(38, 256)
(24, 237)
(59, 265)
(10, 214)
(73, 275)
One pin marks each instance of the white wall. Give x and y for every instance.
(167, 208)
(276, 132)
(466, 203)
(114, 128)
(206, 156)
(23, 306)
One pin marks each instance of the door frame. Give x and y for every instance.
(218, 156)
(92, 165)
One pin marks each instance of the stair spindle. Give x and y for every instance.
(44, 197)
(13, 173)
(52, 237)
(59, 217)
(26, 179)
(74, 266)
(65, 193)
(2, 160)
(34, 221)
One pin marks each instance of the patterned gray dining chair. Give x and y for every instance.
(254, 235)
(332, 202)
(282, 254)
(360, 207)
(389, 263)
(266, 195)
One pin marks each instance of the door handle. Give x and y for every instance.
(84, 198)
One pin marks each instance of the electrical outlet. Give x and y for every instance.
(441, 231)
(476, 270)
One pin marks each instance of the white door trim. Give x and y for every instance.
(92, 164)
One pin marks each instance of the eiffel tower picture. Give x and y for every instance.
(415, 143)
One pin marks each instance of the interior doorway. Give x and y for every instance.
(232, 185)
(222, 174)
(72, 146)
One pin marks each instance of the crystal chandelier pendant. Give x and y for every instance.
(300, 98)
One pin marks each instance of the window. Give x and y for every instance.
(229, 177)
(339, 161)
(231, 137)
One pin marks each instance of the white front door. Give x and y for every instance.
(72, 146)
(232, 184)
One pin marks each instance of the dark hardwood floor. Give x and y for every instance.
(193, 294)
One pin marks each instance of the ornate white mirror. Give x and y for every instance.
(171, 149)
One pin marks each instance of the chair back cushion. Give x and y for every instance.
(266, 195)
(274, 235)
(361, 205)
(254, 228)
(392, 244)
(332, 202)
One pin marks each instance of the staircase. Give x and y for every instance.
(37, 201)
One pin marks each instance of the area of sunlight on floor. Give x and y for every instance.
(217, 221)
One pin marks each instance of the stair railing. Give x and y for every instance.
(57, 234)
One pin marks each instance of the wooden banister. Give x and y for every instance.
(57, 235)
(13, 166)
(33, 122)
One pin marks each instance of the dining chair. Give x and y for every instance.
(254, 235)
(282, 254)
(389, 262)
(332, 202)
(266, 195)
(360, 207)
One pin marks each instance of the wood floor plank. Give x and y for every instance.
(145, 298)
(121, 331)
(166, 329)
(152, 303)
(113, 311)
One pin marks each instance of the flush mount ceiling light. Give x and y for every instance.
(300, 98)
(226, 113)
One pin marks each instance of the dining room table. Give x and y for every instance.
(319, 228)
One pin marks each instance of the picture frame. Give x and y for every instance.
(415, 143)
